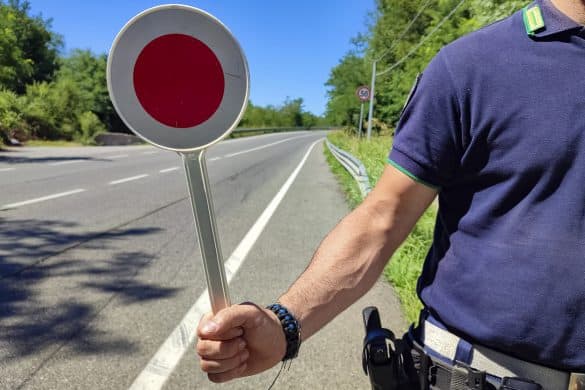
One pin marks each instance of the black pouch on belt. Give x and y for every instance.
(519, 384)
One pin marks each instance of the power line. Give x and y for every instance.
(395, 41)
(396, 64)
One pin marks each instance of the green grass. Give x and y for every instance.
(52, 143)
(406, 264)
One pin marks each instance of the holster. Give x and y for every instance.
(386, 360)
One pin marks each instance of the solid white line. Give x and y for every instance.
(65, 162)
(163, 363)
(6, 169)
(213, 159)
(128, 179)
(37, 200)
(264, 146)
(117, 156)
(168, 170)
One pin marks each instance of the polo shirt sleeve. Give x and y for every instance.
(426, 143)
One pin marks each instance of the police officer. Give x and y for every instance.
(496, 128)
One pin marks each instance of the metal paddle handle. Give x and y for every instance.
(200, 194)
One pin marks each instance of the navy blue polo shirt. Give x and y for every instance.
(497, 124)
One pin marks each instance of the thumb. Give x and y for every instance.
(243, 316)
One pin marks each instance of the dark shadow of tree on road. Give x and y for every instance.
(13, 159)
(54, 286)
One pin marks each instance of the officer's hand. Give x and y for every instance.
(238, 341)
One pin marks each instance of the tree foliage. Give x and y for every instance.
(290, 114)
(28, 48)
(390, 38)
(49, 96)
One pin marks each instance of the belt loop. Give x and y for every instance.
(464, 352)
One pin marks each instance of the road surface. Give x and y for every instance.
(99, 262)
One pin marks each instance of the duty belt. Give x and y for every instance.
(445, 346)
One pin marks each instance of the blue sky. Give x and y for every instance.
(291, 46)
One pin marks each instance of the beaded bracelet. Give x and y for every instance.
(291, 329)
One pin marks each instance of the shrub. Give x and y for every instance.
(89, 126)
(12, 124)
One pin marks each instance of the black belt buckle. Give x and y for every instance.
(464, 376)
(519, 384)
(476, 379)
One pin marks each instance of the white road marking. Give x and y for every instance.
(151, 152)
(66, 162)
(163, 363)
(42, 199)
(264, 146)
(213, 159)
(168, 170)
(127, 179)
(117, 156)
(6, 169)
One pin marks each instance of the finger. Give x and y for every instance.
(229, 375)
(207, 330)
(211, 349)
(228, 335)
(224, 365)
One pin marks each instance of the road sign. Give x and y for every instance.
(363, 93)
(178, 77)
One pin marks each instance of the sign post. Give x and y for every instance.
(179, 80)
(363, 94)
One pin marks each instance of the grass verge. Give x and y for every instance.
(406, 264)
(37, 142)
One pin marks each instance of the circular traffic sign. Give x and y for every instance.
(363, 93)
(178, 78)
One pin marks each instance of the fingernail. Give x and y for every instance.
(242, 345)
(210, 327)
(245, 355)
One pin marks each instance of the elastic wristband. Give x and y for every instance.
(291, 329)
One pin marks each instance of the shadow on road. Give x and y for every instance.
(24, 160)
(47, 304)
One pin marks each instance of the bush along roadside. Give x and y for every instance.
(403, 271)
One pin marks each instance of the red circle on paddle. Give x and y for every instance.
(178, 80)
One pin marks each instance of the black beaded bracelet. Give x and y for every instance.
(291, 329)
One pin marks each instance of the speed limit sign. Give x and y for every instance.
(363, 93)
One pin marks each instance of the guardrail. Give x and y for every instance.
(353, 166)
(280, 129)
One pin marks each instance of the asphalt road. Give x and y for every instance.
(99, 262)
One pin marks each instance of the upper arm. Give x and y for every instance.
(396, 203)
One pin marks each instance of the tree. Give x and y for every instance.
(28, 48)
(343, 107)
(290, 114)
(87, 72)
(395, 29)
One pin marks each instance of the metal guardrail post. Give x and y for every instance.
(354, 166)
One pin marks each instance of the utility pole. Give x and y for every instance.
(372, 98)
(360, 126)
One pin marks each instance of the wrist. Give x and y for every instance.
(291, 330)
(280, 339)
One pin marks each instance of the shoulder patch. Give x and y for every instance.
(533, 20)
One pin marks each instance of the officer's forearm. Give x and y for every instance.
(352, 257)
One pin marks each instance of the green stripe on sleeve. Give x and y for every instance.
(413, 177)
